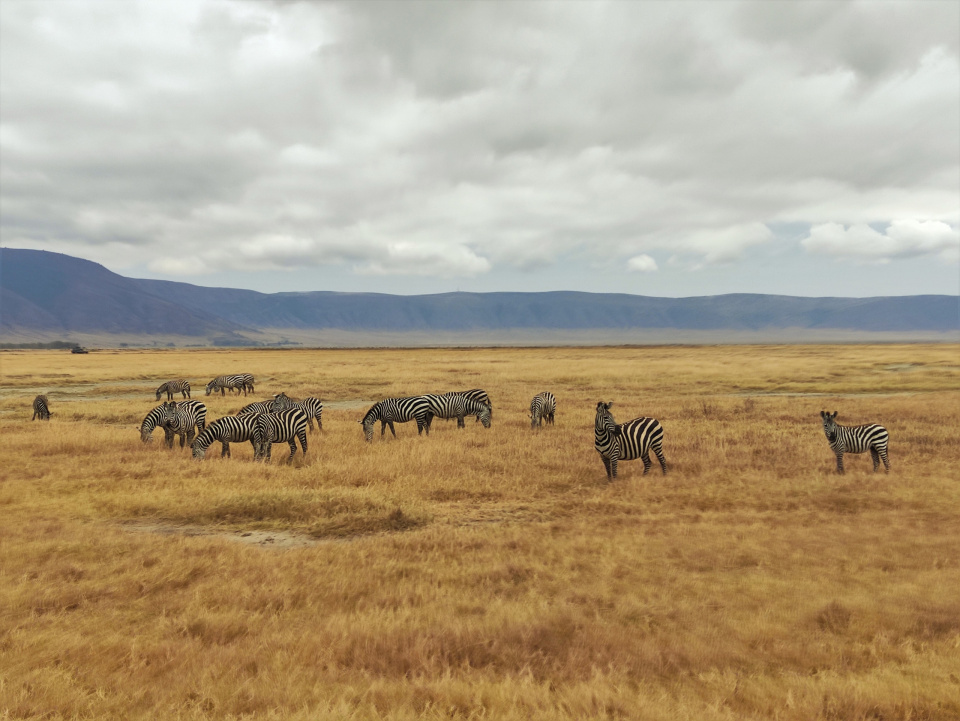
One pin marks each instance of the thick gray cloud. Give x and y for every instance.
(476, 140)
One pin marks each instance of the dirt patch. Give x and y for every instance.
(279, 540)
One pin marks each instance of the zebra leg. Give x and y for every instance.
(663, 461)
(875, 457)
(839, 462)
(883, 456)
(293, 449)
(310, 423)
(168, 437)
(613, 466)
(647, 464)
(392, 429)
(224, 449)
(460, 423)
(303, 442)
(428, 419)
(606, 465)
(190, 435)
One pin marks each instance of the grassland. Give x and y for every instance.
(486, 573)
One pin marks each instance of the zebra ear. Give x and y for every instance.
(835, 413)
(823, 414)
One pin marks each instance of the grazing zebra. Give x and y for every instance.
(226, 430)
(313, 407)
(41, 409)
(454, 405)
(477, 394)
(159, 416)
(258, 407)
(173, 387)
(281, 427)
(856, 439)
(242, 382)
(542, 408)
(399, 410)
(627, 441)
(181, 418)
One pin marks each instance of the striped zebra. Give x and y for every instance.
(477, 394)
(454, 405)
(181, 419)
(396, 410)
(171, 388)
(241, 382)
(627, 441)
(856, 439)
(258, 407)
(281, 427)
(41, 409)
(226, 430)
(313, 407)
(162, 414)
(542, 408)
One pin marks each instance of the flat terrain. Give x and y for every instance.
(486, 573)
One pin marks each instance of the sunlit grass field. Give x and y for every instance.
(480, 573)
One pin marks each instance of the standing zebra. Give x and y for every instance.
(173, 387)
(258, 407)
(477, 394)
(163, 417)
(41, 409)
(241, 382)
(856, 439)
(627, 441)
(281, 427)
(399, 410)
(542, 408)
(181, 418)
(226, 430)
(313, 407)
(454, 405)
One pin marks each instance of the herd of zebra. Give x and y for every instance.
(285, 420)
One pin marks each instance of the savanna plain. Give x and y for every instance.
(486, 573)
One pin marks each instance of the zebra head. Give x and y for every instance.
(199, 448)
(829, 424)
(604, 422)
(210, 387)
(485, 415)
(160, 390)
(169, 413)
(281, 402)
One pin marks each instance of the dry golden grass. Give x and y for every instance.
(486, 573)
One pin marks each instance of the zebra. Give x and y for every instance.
(181, 418)
(41, 408)
(454, 405)
(856, 439)
(542, 408)
(242, 382)
(226, 430)
(398, 410)
(259, 407)
(173, 387)
(477, 394)
(281, 427)
(162, 414)
(313, 407)
(627, 441)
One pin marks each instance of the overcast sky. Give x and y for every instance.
(667, 149)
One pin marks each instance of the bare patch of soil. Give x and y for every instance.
(279, 540)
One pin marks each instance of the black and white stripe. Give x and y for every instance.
(165, 416)
(627, 441)
(281, 427)
(542, 408)
(396, 410)
(226, 430)
(181, 419)
(476, 394)
(171, 388)
(258, 407)
(856, 439)
(41, 408)
(240, 382)
(454, 405)
(313, 407)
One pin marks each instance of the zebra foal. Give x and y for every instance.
(856, 439)
(41, 409)
(396, 410)
(454, 405)
(226, 430)
(542, 408)
(171, 388)
(287, 426)
(627, 441)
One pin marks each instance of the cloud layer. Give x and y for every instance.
(462, 139)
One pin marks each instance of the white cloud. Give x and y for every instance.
(902, 239)
(426, 259)
(642, 263)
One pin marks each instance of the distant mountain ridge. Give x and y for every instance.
(46, 291)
